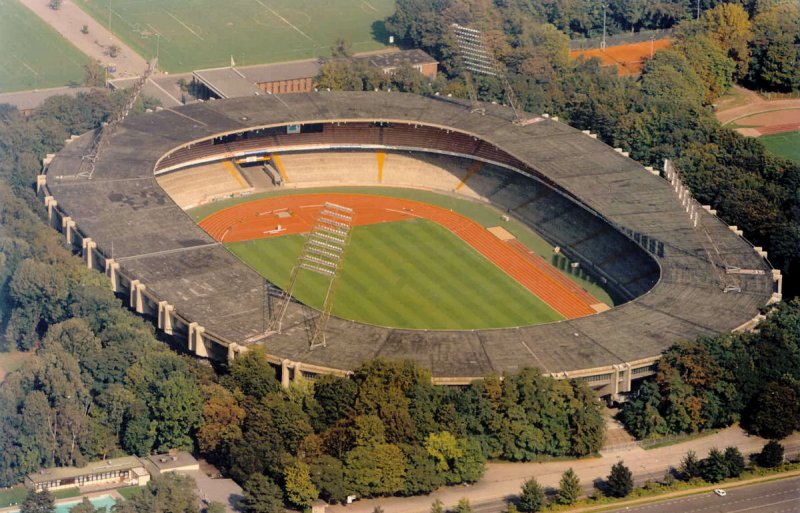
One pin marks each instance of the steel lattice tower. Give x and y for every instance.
(322, 254)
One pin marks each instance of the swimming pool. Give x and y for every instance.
(98, 502)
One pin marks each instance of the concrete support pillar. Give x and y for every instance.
(298, 372)
(112, 271)
(51, 203)
(234, 350)
(88, 251)
(197, 342)
(41, 180)
(67, 225)
(285, 373)
(165, 312)
(135, 296)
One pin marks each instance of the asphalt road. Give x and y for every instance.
(781, 496)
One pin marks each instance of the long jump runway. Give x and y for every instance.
(287, 215)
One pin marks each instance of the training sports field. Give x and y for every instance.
(198, 34)
(409, 264)
(34, 55)
(786, 145)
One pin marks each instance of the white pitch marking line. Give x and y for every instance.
(184, 25)
(284, 20)
(369, 5)
(404, 212)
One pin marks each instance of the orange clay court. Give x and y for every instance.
(286, 215)
(629, 59)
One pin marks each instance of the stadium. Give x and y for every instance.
(172, 194)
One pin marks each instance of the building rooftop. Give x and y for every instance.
(227, 82)
(51, 474)
(281, 71)
(179, 460)
(27, 100)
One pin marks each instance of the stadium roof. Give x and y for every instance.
(388, 60)
(123, 209)
(281, 71)
(227, 82)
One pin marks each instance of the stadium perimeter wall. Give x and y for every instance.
(613, 375)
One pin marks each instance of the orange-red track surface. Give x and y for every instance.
(296, 214)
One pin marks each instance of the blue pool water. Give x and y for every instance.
(103, 501)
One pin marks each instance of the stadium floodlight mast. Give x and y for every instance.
(477, 58)
(603, 42)
(322, 254)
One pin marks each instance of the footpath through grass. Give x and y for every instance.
(786, 145)
(482, 213)
(406, 274)
(34, 55)
(197, 34)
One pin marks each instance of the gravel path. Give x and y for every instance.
(68, 21)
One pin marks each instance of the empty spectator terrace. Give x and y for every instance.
(605, 210)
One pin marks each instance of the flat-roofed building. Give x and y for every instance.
(125, 471)
(389, 62)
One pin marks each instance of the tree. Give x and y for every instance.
(714, 467)
(378, 470)
(569, 488)
(463, 506)
(94, 74)
(261, 495)
(531, 498)
(113, 51)
(55, 4)
(85, 506)
(339, 75)
(620, 481)
(341, 48)
(85, 29)
(327, 474)
(38, 502)
(735, 461)
(222, 419)
(215, 507)
(177, 411)
(690, 466)
(437, 506)
(252, 374)
(774, 48)
(728, 25)
(775, 411)
(300, 490)
(771, 454)
(168, 493)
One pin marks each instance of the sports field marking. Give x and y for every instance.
(364, 2)
(473, 169)
(381, 158)
(245, 224)
(284, 20)
(235, 174)
(282, 170)
(26, 65)
(184, 25)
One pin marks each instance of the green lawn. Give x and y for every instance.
(199, 34)
(481, 213)
(34, 55)
(407, 274)
(786, 145)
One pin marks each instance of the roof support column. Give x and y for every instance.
(112, 270)
(88, 251)
(165, 322)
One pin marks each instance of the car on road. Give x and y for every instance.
(720, 492)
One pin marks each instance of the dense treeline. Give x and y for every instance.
(665, 113)
(712, 382)
(386, 430)
(100, 382)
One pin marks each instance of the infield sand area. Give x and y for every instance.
(480, 212)
(280, 216)
(198, 34)
(34, 55)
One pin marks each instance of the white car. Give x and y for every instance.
(720, 492)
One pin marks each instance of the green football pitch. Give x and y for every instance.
(405, 274)
(34, 55)
(197, 34)
(785, 145)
